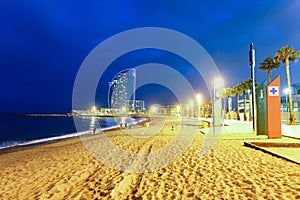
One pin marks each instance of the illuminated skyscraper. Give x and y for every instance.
(122, 88)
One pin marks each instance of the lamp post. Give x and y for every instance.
(252, 65)
(217, 101)
(199, 99)
(287, 91)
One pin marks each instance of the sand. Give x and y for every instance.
(67, 170)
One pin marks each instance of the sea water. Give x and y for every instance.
(28, 130)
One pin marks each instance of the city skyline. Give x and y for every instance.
(44, 44)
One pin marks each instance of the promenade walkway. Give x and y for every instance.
(291, 131)
(287, 147)
(235, 126)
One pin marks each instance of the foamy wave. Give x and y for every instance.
(9, 144)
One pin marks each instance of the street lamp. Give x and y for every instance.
(217, 101)
(198, 99)
(252, 66)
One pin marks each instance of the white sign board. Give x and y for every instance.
(273, 90)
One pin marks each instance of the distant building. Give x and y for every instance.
(165, 109)
(135, 106)
(122, 89)
(241, 105)
(295, 88)
(295, 91)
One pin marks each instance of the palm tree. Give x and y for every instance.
(207, 109)
(285, 55)
(249, 85)
(268, 65)
(228, 93)
(244, 89)
(237, 92)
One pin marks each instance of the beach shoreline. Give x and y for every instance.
(50, 133)
(67, 170)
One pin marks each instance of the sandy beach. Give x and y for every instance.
(67, 170)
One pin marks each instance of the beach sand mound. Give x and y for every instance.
(66, 170)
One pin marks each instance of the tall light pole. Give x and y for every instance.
(217, 101)
(252, 65)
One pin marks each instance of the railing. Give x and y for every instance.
(285, 116)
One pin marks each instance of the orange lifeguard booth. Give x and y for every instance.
(273, 108)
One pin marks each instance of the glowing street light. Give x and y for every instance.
(198, 98)
(287, 90)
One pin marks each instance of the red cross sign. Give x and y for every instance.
(273, 91)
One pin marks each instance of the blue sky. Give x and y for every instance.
(43, 43)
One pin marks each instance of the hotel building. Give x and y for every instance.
(122, 89)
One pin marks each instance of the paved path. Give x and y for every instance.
(231, 126)
(291, 131)
(235, 126)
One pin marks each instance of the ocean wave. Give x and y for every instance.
(9, 144)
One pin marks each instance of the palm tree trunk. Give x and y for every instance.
(237, 107)
(229, 107)
(269, 75)
(287, 70)
(245, 116)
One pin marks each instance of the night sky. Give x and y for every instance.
(43, 44)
